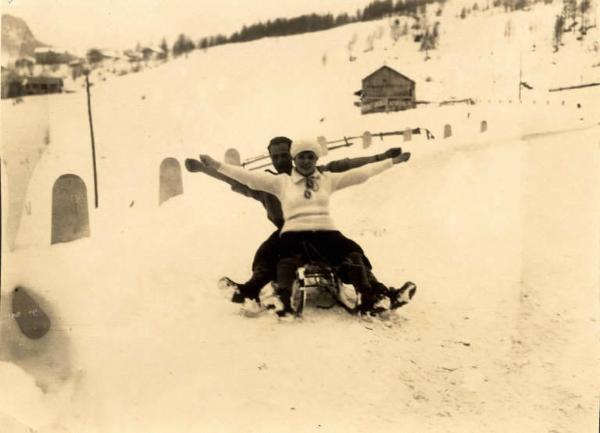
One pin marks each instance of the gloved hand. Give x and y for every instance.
(391, 153)
(403, 157)
(194, 165)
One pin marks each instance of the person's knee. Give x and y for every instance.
(264, 260)
(264, 270)
(356, 258)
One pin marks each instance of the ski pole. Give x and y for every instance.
(255, 159)
(260, 166)
(265, 156)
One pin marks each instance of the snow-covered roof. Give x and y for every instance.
(44, 50)
(152, 48)
(110, 53)
(391, 70)
(133, 54)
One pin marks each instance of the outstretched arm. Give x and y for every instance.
(346, 164)
(360, 175)
(195, 166)
(255, 180)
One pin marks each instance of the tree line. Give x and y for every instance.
(315, 22)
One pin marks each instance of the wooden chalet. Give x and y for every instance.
(386, 90)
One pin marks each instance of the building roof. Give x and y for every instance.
(27, 58)
(153, 49)
(133, 55)
(391, 70)
(43, 50)
(110, 54)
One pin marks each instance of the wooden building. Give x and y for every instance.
(14, 86)
(151, 53)
(42, 85)
(52, 56)
(386, 90)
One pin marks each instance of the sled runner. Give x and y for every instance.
(317, 284)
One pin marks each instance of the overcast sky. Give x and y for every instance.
(80, 24)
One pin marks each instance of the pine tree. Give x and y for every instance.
(395, 30)
(508, 29)
(94, 55)
(435, 34)
(182, 45)
(350, 46)
(164, 46)
(569, 12)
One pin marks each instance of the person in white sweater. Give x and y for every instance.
(308, 226)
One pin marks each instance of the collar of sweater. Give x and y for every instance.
(298, 177)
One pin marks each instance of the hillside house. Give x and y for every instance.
(24, 65)
(14, 86)
(386, 90)
(51, 56)
(151, 53)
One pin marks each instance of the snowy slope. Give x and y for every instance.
(499, 230)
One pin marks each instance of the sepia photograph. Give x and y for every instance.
(300, 216)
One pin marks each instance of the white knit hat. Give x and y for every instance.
(306, 146)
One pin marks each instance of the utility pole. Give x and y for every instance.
(89, 103)
(520, 74)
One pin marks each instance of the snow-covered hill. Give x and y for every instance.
(498, 229)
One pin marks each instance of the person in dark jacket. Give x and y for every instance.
(264, 265)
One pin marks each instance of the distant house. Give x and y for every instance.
(151, 53)
(24, 62)
(133, 56)
(386, 90)
(51, 56)
(42, 85)
(110, 54)
(77, 68)
(25, 65)
(96, 56)
(14, 86)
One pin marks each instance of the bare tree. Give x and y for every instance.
(508, 29)
(350, 47)
(395, 30)
(558, 31)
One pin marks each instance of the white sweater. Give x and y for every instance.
(301, 213)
